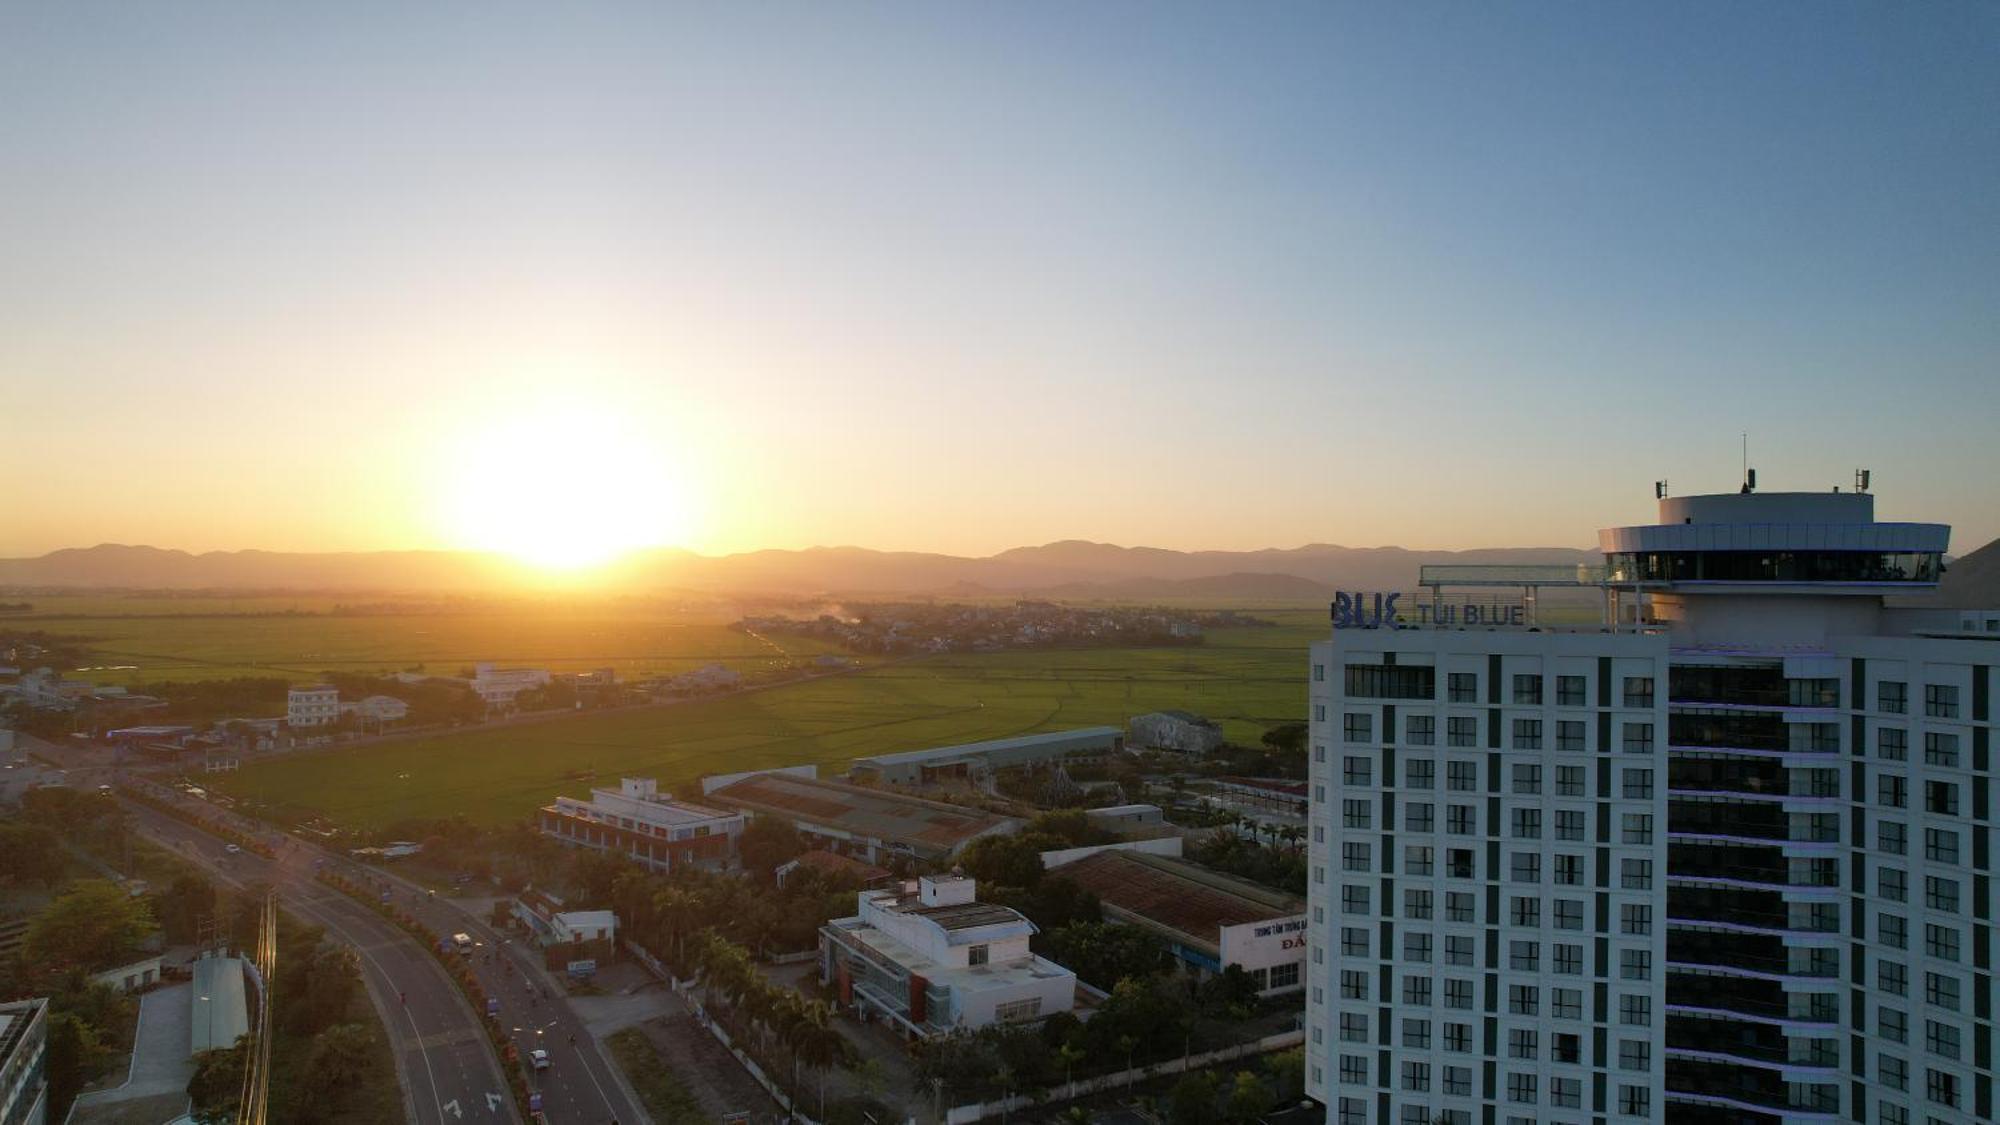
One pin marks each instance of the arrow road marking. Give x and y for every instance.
(493, 1102)
(451, 1107)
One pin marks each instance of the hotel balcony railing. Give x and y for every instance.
(1761, 1043)
(1753, 1088)
(1749, 998)
(1755, 862)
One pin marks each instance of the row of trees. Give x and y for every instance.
(780, 1020)
(1283, 868)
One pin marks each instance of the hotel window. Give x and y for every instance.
(1353, 899)
(1941, 991)
(1422, 730)
(1635, 1101)
(1892, 744)
(1420, 773)
(1018, 1009)
(1357, 771)
(1458, 1081)
(1319, 673)
(1634, 1054)
(1417, 944)
(1319, 712)
(1353, 984)
(1354, 856)
(1417, 904)
(1940, 1087)
(1524, 999)
(1635, 918)
(1458, 951)
(1567, 1004)
(975, 955)
(1458, 994)
(1941, 701)
(1461, 730)
(1418, 859)
(1527, 734)
(1892, 883)
(1528, 689)
(1524, 956)
(1637, 828)
(1940, 845)
(1941, 1039)
(1891, 836)
(1417, 991)
(1462, 687)
(1892, 791)
(1523, 1044)
(1638, 738)
(1892, 977)
(1635, 1010)
(1569, 824)
(1568, 914)
(1569, 781)
(1941, 942)
(1353, 1111)
(1569, 691)
(1353, 1027)
(1458, 906)
(1638, 784)
(1940, 749)
(1458, 820)
(1941, 894)
(1566, 1092)
(1894, 1072)
(1526, 911)
(1418, 816)
(1459, 860)
(1639, 691)
(1892, 930)
(1525, 867)
(1417, 1075)
(1319, 754)
(1527, 777)
(1569, 736)
(1527, 824)
(1635, 874)
(1521, 1088)
(1569, 870)
(1941, 797)
(1356, 812)
(1635, 964)
(1462, 777)
(1813, 693)
(1892, 696)
(1568, 960)
(1354, 1070)
(1458, 1037)
(1357, 726)
(1892, 1025)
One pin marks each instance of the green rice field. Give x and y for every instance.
(1246, 679)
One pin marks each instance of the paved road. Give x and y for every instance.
(449, 1074)
(580, 1087)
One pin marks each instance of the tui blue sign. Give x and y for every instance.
(1357, 611)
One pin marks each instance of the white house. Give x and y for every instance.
(500, 687)
(377, 709)
(930, 958)
(314, 706)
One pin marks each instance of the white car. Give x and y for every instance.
(232, 849)
(539, 1058)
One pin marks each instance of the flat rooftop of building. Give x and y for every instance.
(221, 1009)
(1176, 895)
(969, 979)
(992, 746)
(867, 812)
(1121, 810)
(670, 808)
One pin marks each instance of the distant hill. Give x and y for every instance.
(1072, 568)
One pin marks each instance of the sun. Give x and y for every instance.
(564, 488)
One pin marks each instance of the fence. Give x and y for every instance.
(958, 1115)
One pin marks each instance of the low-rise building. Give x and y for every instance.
(376, 710)
(221, 1010)
(24, 1077)
(707, 678)
(930, 958)
(140, 974)
(655, 830)
(1209, 920)
(866, 823)
(1126, 818)
(972, 759)
(834, 865)
(501, 687)
(315, 706)
(1182, 731)
(566, 936)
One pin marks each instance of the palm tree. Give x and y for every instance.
(819, 1045)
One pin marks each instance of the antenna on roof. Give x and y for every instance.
(1861, 480)
(1749, 474)
(1659, 490)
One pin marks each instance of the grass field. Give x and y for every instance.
(1247, 679)
(190, 639)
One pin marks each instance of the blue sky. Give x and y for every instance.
(957, 278)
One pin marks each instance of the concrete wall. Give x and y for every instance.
(1165, 845)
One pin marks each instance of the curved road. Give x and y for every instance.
(449, 1074)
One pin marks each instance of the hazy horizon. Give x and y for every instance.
(562, 283)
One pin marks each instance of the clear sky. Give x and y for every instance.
(959, 278)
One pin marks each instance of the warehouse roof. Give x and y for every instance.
(1175, 895)
(994, 746)
(931, 825)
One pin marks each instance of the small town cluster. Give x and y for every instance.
(933, 627)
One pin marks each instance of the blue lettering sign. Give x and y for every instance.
(1364, 611)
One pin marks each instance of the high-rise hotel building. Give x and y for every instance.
(1723, 856)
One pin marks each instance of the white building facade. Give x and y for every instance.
(1725, 857)
(315, 706)
(652, 829)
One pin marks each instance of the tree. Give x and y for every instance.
(216, 1087)
(1011, 861)
(73, 1052)
(1193, 1099)
(1249, 1098)
(182, 906)
(332, 1072)
(31, 853)
(93, 925)
(1104, 953)
(767, 842)
(1286, 738)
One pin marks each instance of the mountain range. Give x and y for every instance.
(1070, 569)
